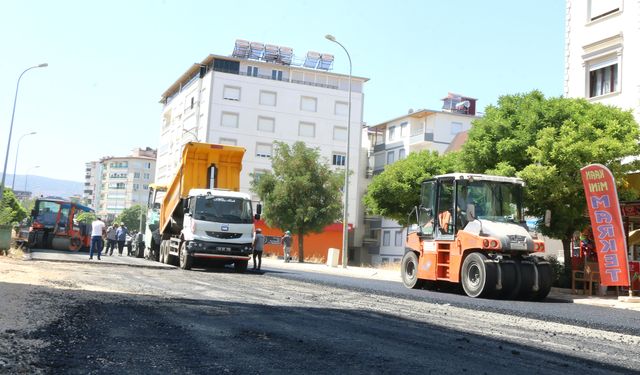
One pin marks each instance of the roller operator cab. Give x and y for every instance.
(470, 229)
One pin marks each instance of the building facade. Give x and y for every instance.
(393, 140)
(602, 55)
(115, 183)
(258, 95)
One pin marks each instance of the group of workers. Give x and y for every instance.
(258, 247)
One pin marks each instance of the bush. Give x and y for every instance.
(561, 273)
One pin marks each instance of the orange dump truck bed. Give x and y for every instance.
(196, 172)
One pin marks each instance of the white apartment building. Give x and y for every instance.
(432, 130)
(261, 94)
(602, 54)
(115, 183)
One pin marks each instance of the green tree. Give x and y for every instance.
(394, 192)
(11, 211)
(546, 142)
(302, 193)
(85, 217)
(131, 216)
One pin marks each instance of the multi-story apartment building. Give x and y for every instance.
(391, 141)
(115, 183)
(601, 53)
(258, 95)
(92, 183)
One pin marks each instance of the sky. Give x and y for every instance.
(110, 61)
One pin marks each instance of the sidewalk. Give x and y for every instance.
(394, 275)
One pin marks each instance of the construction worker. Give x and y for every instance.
(286, 242)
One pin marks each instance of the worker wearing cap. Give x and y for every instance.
(286, 242)
(258, 248)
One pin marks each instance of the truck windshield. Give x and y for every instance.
(223, 209)
(493, 200)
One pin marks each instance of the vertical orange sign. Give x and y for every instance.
(606, 222)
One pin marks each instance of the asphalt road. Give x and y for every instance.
(97, 319)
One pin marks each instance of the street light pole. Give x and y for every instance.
(345, 218)
(27, 176)
(15, 99)
(15, 164)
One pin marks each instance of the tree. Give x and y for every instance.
(85, 217)
(546, 142)
(11, 211)
(131, 216)
(301, 194)
(394, 192)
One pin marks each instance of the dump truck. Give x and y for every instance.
(53, 225)
(203, 214)
(469, 229)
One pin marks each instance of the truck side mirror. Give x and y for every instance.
(471, 212)
(185, 206)
(258, 211)
(547, 218)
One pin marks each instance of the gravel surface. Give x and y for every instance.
(63, 318)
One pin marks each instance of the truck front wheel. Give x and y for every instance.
(240, 265)
(186, 260)
(478, 275)
(409, 271)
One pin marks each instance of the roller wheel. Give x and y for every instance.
(479, 276)
(186, 260)
(409, 271)
(509, 274)
(545, 279)
(527, 280)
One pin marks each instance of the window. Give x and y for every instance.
(339, 133)
(136, 175)
(145, 187)
(401, 154)
(341, 109)
(307, 129)
(136, 187)
(602, 8)
(398, 239)
(229, 120)
(268, 98)
(258, 173)
(403, 129)
(392, 133)
(390, 157)
(147, 176)
(228, 141)
(192, 102)
(603, 78)
(147, 165)
(231, 93)
(338, 159)
(252, 71)
(456, 127)
(276, 74)
(308, 104)
(226, 66)
(264, 150)
(386, 238)
(119, 164)
(266, 124)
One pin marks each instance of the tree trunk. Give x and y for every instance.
(566, 246)
(300, 247)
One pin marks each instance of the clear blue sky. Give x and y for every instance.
(109, 61)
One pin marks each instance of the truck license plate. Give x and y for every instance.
(220, 248)
(519, 245)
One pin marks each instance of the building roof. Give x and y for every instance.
(420, 114)
(209, 60)
(458, 141)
